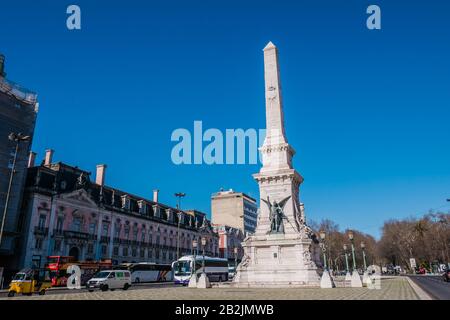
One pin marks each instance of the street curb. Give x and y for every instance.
(418, 290)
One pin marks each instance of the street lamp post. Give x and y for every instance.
(346, 258)
(356, 279)
(363, 247)
(179, 195)
(366, 278)
(324, 249)
(325, 281)
(194, 246)
(203, 247)
(179, 214)
(351, 238)
(235, 259)
(193, 279)
(17, 138)
(203, 282)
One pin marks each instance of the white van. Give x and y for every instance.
(110, 279)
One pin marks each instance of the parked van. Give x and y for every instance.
(110, 279)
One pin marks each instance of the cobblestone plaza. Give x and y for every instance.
(395, 288)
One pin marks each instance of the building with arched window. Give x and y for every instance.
(67, 214)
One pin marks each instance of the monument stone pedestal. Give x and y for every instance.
(277, 261)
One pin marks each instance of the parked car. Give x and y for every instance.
(446, 275)
(110, 279)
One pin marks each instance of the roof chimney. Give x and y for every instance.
(31, 159)
(100, 175)
(48, 157)
(155, 195)
(2, 66)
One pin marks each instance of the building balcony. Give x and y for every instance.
(135, 243)
(79, 235)
(58, 233)
(125, 242)
(40, 231)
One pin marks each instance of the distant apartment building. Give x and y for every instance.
(18, 110)
(230, 240)
(68, 214)
(234, 209)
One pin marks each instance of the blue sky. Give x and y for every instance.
(367, 111)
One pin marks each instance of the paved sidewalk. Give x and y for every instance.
(391, 289)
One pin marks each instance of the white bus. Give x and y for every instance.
(148, 272)
(215, 268)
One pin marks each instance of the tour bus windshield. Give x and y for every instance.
(59, 259)
(53, 259)
(102, 274)
(182, 268)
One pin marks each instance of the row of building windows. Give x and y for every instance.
(125, 250)
(183, 244)
(77, 226)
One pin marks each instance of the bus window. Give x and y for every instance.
(182, 268)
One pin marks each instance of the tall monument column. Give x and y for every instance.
(274, 103)
(280, 253)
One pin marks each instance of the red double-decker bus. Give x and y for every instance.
(58, 269)
(55, 265)
(55, 262)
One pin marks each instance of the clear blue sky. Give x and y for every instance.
(367, 111)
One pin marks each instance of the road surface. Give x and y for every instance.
(391, 288)
(435, 286)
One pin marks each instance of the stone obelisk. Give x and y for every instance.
(278, 256)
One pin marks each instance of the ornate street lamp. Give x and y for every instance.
(194, 246)
(351, 238)
(346, 258)
(179, 195)
(355, 279)
(324, 249)
(193, 278)
(235, 259)
(17, 138)
(363, 247)
(203, 245)
(325, 281)
(203, 282)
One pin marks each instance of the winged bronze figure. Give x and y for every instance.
(276, 214)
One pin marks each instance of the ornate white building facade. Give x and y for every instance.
(67, 214)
